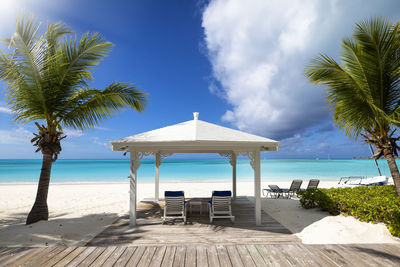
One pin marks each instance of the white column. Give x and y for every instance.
(233, 163)
(157, 181)
(257, 186)
(134, 165)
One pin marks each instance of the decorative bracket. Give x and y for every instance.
(159, 156)
(250, 155)
(139, 157)
(230, 155)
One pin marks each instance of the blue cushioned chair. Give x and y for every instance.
(220, 205)
(175, 205)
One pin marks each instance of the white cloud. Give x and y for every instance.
(259, 49)
(73, 133)
(15, 136)
(97, 141)
(5, 110)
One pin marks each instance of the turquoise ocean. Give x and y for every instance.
(12, 171)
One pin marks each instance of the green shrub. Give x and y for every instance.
(366, 203)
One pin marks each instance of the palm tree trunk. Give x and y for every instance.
(39, 210)
(393, 170)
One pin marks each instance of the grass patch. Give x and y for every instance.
(366, 203)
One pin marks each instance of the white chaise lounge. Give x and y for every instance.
(175, 205)
(220, 205)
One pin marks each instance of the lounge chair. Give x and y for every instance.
(273, 191)
(294, 188)
(220, 205)
(313, 184)
(175, 205)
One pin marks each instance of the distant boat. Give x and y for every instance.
(353, 181)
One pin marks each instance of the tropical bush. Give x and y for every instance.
(367, 203)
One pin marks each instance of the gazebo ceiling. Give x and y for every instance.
(194, 135)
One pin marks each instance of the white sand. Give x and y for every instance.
(79, 212)
(314, 226)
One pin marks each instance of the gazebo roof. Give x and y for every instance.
(194, 135)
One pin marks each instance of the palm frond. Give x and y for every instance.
(88, 107)
(364, 92)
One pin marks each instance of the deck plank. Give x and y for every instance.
(57, 257)
(169, 256)
(70, 257)
(233, 255)
(158, 256)
(245, 256)
(258, 260)
(75, 262)
(201, 256)
(125, 257)
(114, 257)
(29, 257)
(268, 256)
(180, 254)
(333, 255)
(137, 255)
(146, 257)
(212, 256)
(15, 255)
(92, 256)
(190, 259)
(223, 257)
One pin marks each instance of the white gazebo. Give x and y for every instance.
(194, 136)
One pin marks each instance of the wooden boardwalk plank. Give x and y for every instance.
(59, 256)
(268, 257)
(103, 256)
(92, 256)
(212, 256)
(45, 256)
(201, 256)
(223, 256)
(75, 262)
(7, 252)
(388, 252)
(10, 258)
(137, 255)
(70, 257)
(318, 254)
(233, 255)
(333, 255)
(147, 256)
(179, 260)
(190, 260)
(28, 258)
(125, 257)
(255, 255)
(114, 257)
(169, 256)
(245, 255)
(158, 257)
(219, 255)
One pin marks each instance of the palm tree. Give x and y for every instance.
(364, 91)
(47, 79)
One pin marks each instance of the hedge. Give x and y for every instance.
(367, 203)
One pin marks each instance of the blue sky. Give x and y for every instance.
(238, 63)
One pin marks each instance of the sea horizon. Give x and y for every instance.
(180, 169)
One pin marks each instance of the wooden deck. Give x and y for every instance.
(202, 255)
(200, 243)
(198, 231)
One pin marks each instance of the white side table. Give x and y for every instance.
(195, 203)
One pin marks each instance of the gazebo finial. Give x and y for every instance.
(195, 116)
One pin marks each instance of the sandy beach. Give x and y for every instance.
(79, 211)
